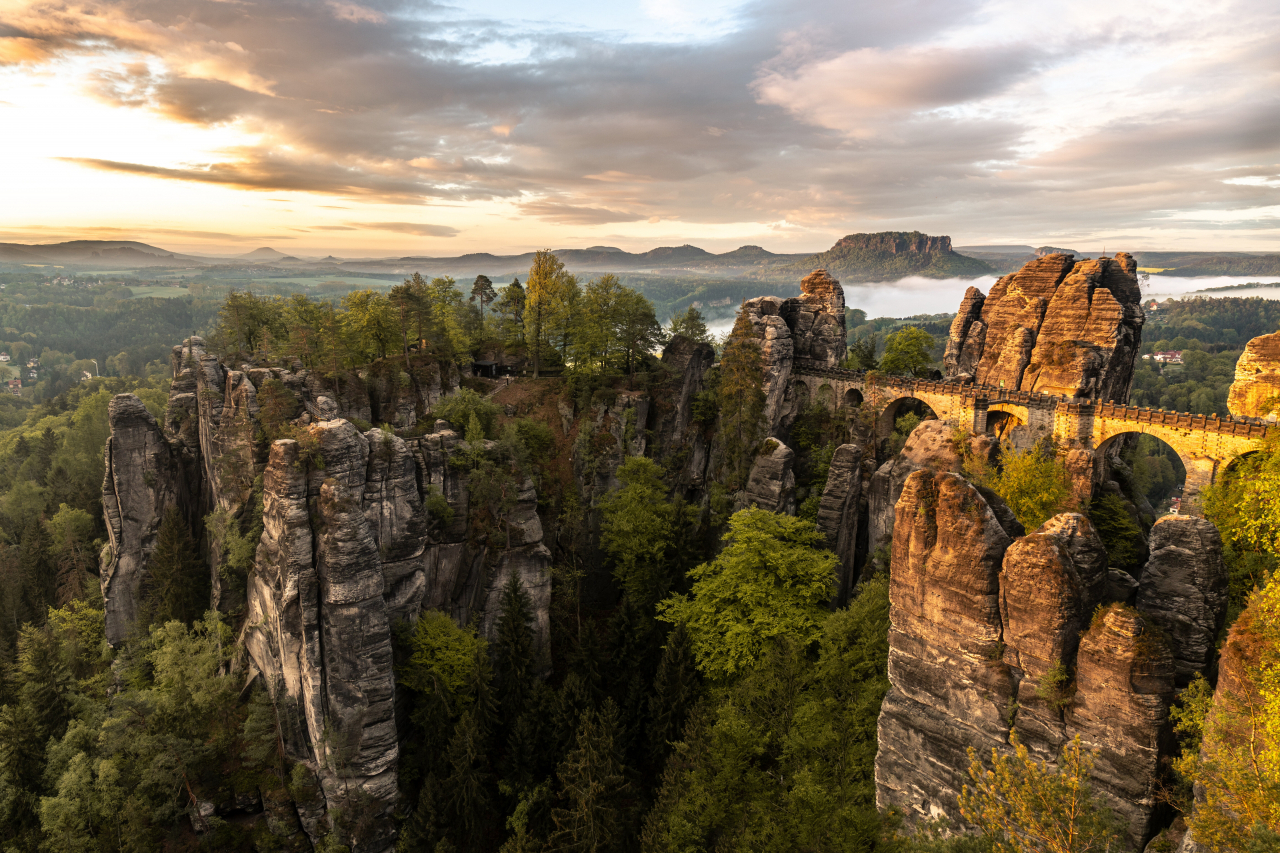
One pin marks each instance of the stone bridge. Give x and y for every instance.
(1082, 430)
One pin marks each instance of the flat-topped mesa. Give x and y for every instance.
(1057, 326)
(1255, 393)
(895, 242)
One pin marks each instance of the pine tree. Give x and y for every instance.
(675, 688)
(39, 578)
(482, 291)
(177, 586)
(467, 788)
(593, 784)
(741, 398)
(513, 651)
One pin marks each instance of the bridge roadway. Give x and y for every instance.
(1082, 430)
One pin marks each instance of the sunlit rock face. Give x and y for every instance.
(994, 631)
(360, 530)
(1056, 326)
(1256, 387)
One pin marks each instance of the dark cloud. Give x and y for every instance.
(829, 115)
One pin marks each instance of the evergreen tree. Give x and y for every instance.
(593, 786)
(637, 531)
(690, 324)
(467, 787)
(513, 650)
(178, 583)
(675, 688)
(39, 577)
(482, 292)
(510, 311)
(741, 399)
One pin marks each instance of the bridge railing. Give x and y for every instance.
(1230, 425)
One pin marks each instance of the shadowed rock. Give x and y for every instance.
(838, 512)
(772, 483)
(1183, 590)
(950, 689)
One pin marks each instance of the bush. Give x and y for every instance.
(1119, 533)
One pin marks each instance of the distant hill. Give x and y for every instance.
(1192, 264)
(120, 254)
(890, 255)
(266, 253)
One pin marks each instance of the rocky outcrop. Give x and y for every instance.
(810, 326)
(359, 531)
(990, 634)
(144, 477)
(816, 319)
(949, 687)
(931, 445)
(1055, 326)
(1257, 383)
(838, 513)
(678, 437)
(772, 483)
(1183, 590)
(1050, 583)
(1120, 710)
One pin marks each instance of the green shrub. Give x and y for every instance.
(458, 408)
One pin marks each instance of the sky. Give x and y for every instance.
(424, 128)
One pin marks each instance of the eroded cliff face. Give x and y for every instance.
(1257, 382)
(810, 326)
(350, 545)
(1056, 326)
(993, 631)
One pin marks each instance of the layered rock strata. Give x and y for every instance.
(772, 482)
(949, 689)
(360, 530)
(1256, 387)
(1056, 326)
(992, 632)
(1183, 590)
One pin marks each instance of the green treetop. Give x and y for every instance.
(772, 580)
(908, 352)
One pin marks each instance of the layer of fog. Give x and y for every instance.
(914, 295)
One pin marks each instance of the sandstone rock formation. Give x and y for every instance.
(949, 687)
(144, 477)
(359, 530)
(1257, 379)
(1055, 327)
(677, 437)
(990, 633)
(1124, 684)
(1049, 585)
(1183, 590)
(772, 483)
(810, 326)
(839, 510)
(931, 445)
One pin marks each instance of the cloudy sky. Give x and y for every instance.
(499, 125)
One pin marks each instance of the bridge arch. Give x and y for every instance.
(826, 396)
(852, 398)
(898, 407)
(1156, 470)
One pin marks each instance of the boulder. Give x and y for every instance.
(1183, 590)
(1257, 379)
(950, 688)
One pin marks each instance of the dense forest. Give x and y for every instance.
(705, 693)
